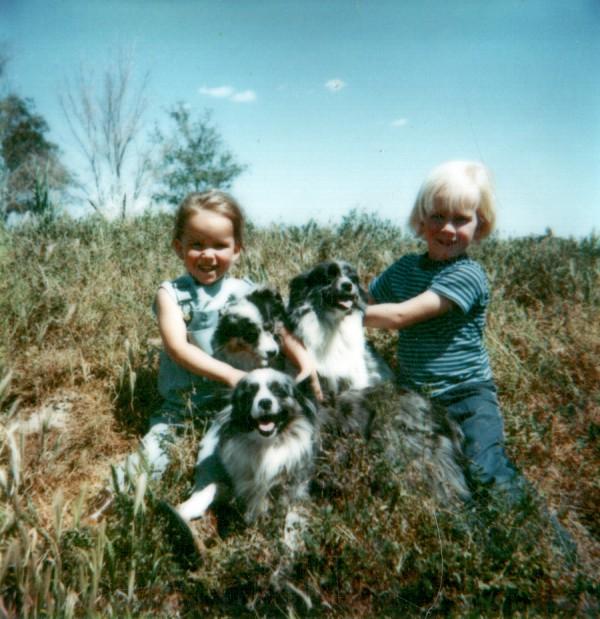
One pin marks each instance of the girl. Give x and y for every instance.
(437, 302)
(208, 238)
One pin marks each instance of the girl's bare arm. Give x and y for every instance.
(174, 336)
(294, 350)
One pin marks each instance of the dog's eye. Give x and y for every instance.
(230, 326)
(333, 271)
(240, 327)
(244, 394)
(279, 389)
(319, 277)
(350, 273)
(250, 333)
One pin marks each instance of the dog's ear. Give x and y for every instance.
(304, 394)
(277, 299)
(241, 402)
(279, 310)
(269, 297)
(271, 304)
(297, 290)
(304, 388)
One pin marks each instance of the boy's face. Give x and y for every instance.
(449, 233)
(207, 246)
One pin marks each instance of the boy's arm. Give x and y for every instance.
(295, 351)
(425, 306)
(174, 336)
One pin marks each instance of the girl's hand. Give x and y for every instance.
(303, 360)
(234, 376)
(314, 382)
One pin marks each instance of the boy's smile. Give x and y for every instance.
(449, 234)
(207, 246)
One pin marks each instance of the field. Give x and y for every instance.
(78, 352)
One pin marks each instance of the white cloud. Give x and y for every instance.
(400, 122)
(229, 92)
(335, 85)
(220, 92)
(246, 96)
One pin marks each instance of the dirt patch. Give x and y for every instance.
(63, 447)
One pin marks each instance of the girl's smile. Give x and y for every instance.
(207, 246)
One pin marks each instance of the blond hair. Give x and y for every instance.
(461, 185)
(215, 201)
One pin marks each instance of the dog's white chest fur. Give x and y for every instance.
(256, 466)
(338, 348)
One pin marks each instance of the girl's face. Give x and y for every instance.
(207, 246)
(449, 233)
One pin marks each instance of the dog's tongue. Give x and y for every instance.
(345, 303)
(266, 427)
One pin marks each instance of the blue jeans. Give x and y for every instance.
(154, 452)
(153, 455)
(475, 408)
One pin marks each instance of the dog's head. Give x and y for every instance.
(247, 332)
(331, 287)
(268, 402)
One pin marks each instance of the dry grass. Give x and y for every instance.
(77, 337)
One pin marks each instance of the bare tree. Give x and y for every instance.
(105, 118)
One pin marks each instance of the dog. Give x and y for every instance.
(326, 307)
(246, 335)
(263, 444)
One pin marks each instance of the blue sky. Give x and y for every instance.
(348, 104)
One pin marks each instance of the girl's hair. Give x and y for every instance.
(215, 201)
(461, 185)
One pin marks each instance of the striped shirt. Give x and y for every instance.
(438, 354)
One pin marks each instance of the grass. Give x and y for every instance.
(78, 347)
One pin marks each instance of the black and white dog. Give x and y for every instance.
(262, 444)
(326, 308)
(246, 336)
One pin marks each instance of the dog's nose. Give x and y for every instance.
(271, 353)
(265, 404)
(346, 286)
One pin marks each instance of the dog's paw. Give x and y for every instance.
(180, 536)
(196, 506)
